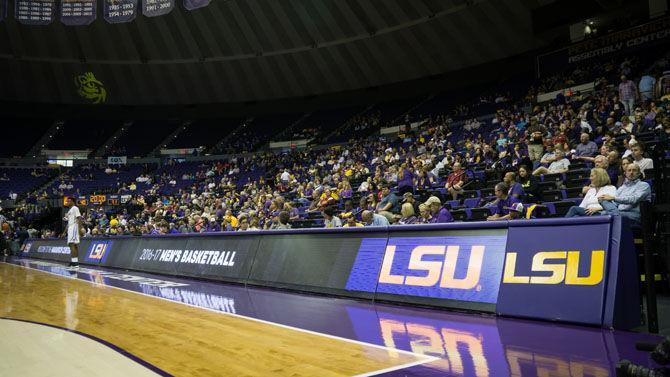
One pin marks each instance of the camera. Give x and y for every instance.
(660, 353)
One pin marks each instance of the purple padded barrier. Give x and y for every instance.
(622, 299)
(556, 269)
(351, 262)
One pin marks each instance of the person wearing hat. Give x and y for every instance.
(516, 211)
(438, 213)
(408, 197)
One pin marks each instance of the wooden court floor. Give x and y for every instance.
(183, 340)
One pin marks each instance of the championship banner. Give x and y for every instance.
(34, 12)
(119, 11)
(195, 4)
(154, 8)
(78, 12)
(3, 9)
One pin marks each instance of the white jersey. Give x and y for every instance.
(72, 217)
(73, 225)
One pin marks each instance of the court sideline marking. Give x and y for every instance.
(427, 359)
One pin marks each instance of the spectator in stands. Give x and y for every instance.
(438, 213)
(529, 184)
(628, 94)
(456, 180)
(600, 185)
(549, 156)
(559, 166)
(586, 147)
(330, 220)
(408, 197)
(503, 203)
(283, 221)
(328, 198)
(424, 214)
(515, 188)
(646, 85)
(535, 141)
(372, 219)
(352, 223)
(389, 204)
(602, 162)
(405, 179)
(408, 217)
(637, 152)
(349, 210)
(626, 201)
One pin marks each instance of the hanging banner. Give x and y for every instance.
(34, 12)
(119, 11)
(3, 9)
(195, 4)
(78, 12)
(153, 8)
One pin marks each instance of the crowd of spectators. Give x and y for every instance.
(420, 176)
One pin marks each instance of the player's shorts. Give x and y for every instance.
(73, 234)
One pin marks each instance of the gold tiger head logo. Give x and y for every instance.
(90, 88)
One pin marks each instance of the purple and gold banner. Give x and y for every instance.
(34, 12)
(78, 12)
(195, 4)
(119, 11)
(154, 8)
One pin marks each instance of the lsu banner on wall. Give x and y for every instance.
(153, 8)
(118, 11)
(34, 12)
(195, 4)
(460, 268)
(78, 12)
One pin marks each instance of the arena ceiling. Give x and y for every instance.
(251, 50)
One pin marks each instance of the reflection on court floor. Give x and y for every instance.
(461, 345)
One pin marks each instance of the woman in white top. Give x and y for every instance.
(600, 185)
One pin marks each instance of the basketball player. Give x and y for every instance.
(73, 218)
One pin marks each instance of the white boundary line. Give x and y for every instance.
(426, 359)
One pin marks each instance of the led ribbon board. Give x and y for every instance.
(463, 268)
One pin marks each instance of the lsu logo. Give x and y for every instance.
(442, 272)
(98, 251)
(564, 270)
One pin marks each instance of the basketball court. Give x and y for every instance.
(103, 320)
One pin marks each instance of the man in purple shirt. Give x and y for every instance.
(503, 204)
(440, 215)
(515, 188)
